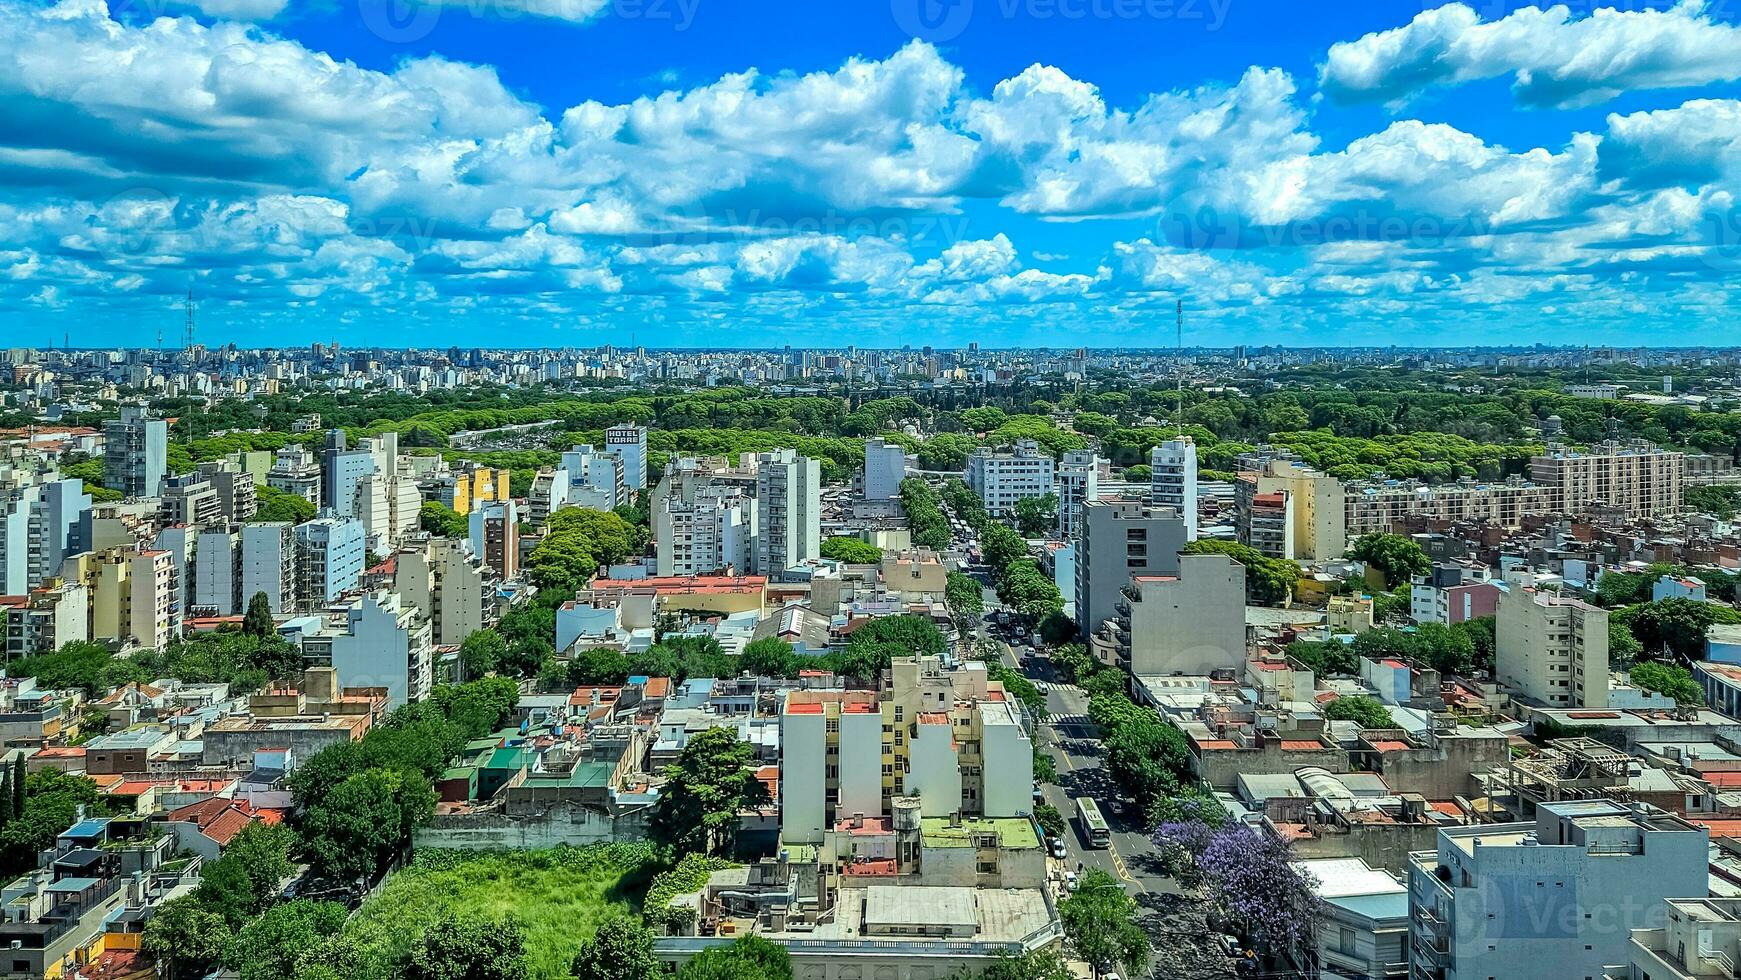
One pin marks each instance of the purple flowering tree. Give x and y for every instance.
(1250, 877)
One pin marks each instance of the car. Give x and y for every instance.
(1058, 848)
(1115, 807)
(1072, 882)
(1039, 795)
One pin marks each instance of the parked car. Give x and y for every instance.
(1058, 848)
(1116, 807)
(1071, 881)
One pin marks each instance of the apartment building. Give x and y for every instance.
(1446, 597)
(136, 453)
(1556, 897)
(885, 466)
(192, 500)
(709, 533)
(42, 522)
(1699, 938)
(294, 470)
(1190, 623)
(629, 444)
(1173, 479)
(389, 506)
(788, 511)
(1634, 477)
(217, 574)
(1078, 483)
(1121, 538)
(134, 594)
(269, 564)
(494, 534)
(468, 485)
(376, 641)
(1552, 650)
(952, 739)
(449, 585)
(330, 553)
(1001, 478)
(595, 479)
(1286, 510)
(1377, 507)
(51, 616)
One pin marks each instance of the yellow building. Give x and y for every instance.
(134, 595)
(468, 486)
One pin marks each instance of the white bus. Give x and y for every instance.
(1094, 829)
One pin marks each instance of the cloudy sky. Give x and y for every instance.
(871, 172)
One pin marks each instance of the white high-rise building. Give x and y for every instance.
(788, 511)
(713, 531)
(330, 554)
(1078, 483)
(598, 480)
(885, 466)
(1173, 479)
(629, 443)
(1551, 649)
(1002, 478)
(136, 453)
(269, 564)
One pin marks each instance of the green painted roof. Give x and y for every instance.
(585, 774)
(506, 759)
(1014, 833)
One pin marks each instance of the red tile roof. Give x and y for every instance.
(217, 818)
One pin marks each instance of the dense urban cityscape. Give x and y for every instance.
(906, 490)
(940, 662)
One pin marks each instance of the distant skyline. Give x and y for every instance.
(708, 174)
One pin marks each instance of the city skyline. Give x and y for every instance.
(681, 175)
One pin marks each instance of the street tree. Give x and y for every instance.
(1100, 921)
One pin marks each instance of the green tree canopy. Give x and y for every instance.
(851, 550)
(709, 786)
(1368, 712)
(621, 949)
(1397, 558)
(1100, 921)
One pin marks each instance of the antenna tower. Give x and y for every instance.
(188, 341)
(1179, 353)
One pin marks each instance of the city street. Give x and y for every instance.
(1074, 744)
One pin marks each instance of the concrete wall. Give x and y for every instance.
(564, 823)
(1193, 625)
(803, 785)
(861, 764)
(1221, 768)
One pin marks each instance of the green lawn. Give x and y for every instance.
(558, 896)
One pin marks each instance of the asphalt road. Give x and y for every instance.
(1074, 744)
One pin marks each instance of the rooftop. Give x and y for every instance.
(1014, 833)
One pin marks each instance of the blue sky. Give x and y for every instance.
(736, 172)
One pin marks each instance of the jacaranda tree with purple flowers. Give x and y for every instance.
(1250, 877)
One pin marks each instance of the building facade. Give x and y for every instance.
(1002, 478)
(1173, 479)
(1121, 538)
(1552, 649)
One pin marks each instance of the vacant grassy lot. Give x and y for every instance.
(558, 896)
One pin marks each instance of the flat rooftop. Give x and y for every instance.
(1013, 833)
